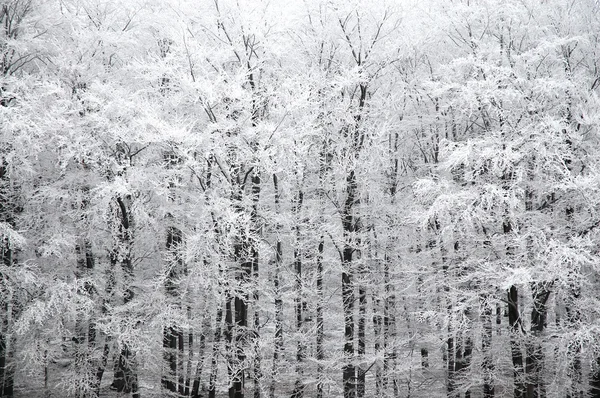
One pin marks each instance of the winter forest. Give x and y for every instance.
(305, 199)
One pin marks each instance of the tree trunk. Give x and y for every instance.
(466, 357)
(170, 357)
(299, 386)
(212, 386)
(486, 348)
(125, 373)
(594, 391)
(110, 287)
(180, 354)
(7, 215)
(320, 332)
(202, 347)
(514, 321)
(362, 311)
(278, 339)
(535, 356)
(190, 359)
(377, 337)
(256, 231)
(171, 332)
(349, 228)
(85, 336)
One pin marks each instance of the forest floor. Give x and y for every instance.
(33, 387)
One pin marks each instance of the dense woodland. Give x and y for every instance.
(318, 198)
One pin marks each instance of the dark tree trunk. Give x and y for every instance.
(85, 336)
(594, 391)
(180, 370)
(320, 332)
(8, 209)
(6, 367)
(125, 373)
(278, 348)
(110, 287)
(377, 339)
(349, 228)
(466, 357)
(451, 363)
(201, 353)
(256, 231)
(535, 356)
(514, 321)
(212, 386)
(190, 359)
(389, 326)
(486, 348)
(362, 311)
(298, 301)
(170, 357)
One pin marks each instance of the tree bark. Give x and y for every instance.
(486, 348)
(594, 391)
(362, 311)
(171, 333)
(8, 208)
(298, 300)
(514, 321)
(125, 373)
(212, 386)
(256, 231)
(534, 363)
(195, 393)
(278, 338)
(349, 228)
(320, 326)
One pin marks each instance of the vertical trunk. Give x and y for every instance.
(498, 319)
(466, 357)
(278, 340)
(180, 354)
(320, 302)
(486, 348)
(594, 391)
(453, 352)
(6, 365)
(389, 327)
(424, 358)
(362, 310)
(535, 355)
(514, 321)
(377, 337)
(451, 362)
(7, 210)
(212, 386)
(195, 393)
(256, 230)
(171, 333)
(235, 318)
(3, 372)
(85, 336)
(110, 287)
(170, 357)
(349, 228)
(125, 374)
(245, 257)
(299, 386)
(173, 345)
(389, 307)
(190, 360)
